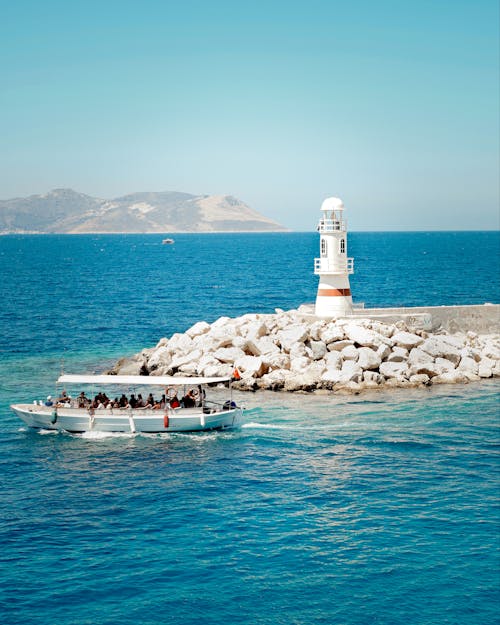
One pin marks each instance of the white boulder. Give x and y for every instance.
(407, 339)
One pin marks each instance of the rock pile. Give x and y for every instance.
(295, 351)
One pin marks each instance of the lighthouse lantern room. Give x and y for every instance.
(333, 267)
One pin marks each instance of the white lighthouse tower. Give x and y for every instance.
(333, 267)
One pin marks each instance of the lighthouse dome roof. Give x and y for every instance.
(332, 204)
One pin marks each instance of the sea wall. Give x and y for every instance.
(296, 351)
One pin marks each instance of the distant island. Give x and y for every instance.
(64, 211)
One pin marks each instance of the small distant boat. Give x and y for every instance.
(174, 415)
(168, 241)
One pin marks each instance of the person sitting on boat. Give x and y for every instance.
(150, 401)
(140, 403)
(189, 400)
(82, 401)
(201, 396)
(63, 399)
(49, 401)
(160, 405)
(174, 402)
(132, 401)
(123, 401)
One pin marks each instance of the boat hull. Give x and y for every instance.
(79, 420)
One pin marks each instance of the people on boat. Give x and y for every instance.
(174, 401)
(160, 405)
(189, 399)
(82, 401)
(48, 401)
(201, 395)
(140, 403)
(63, 398)
(123, 401)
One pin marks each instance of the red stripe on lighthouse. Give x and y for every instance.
(334, 292)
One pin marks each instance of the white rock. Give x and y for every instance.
(297, 350)
(368, 358)
(331, 333)
(273, 379)
(331, 376)
(300, 363)
(446, 365)
(383, 351)
(407, 339)
(419, 378)
(220, 322)
(318, 349)
(266, 346)
(251, 366)
(160, 357)
(364, 337)
(218, 371)
(339, 345)
(490, 351)
(333, 360)
(382, 328)
(255, 330)
(229, 354)
(291, 335)
(179, 343)
(451, 377)
(484, 369)
(417, 357)
(350, 353)
(221, 336)
(316, 328)
(202, 327)
(429, 368)
(468, 366)
(442, 346)
(276, 361)
(373, 376)
(398, 354)
(393, 369)
(351, 371)
(183, 359)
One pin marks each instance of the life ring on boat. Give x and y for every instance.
(165, 420)
(171, 393)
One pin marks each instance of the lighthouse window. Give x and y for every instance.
(323, 247)
(342, 246)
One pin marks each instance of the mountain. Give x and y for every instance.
(68, 212)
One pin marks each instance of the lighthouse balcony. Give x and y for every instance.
(326, 265)
(331, 225)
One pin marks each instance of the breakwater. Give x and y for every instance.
(296, 351)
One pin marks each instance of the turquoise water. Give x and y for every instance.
(370, 509)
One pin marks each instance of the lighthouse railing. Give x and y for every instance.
(326, 265)
(331, 225)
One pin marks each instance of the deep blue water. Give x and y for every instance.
(374, 509)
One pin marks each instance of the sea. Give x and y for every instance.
(380, 508)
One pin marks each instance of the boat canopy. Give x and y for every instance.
(138, 380)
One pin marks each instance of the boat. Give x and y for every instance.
(77, 416)
(168, 241)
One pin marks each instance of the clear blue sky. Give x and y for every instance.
(391, 105)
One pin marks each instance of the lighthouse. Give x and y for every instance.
(333, 267)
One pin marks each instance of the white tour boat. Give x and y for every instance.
(79, 414)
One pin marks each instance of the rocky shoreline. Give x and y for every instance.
(295, 351)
